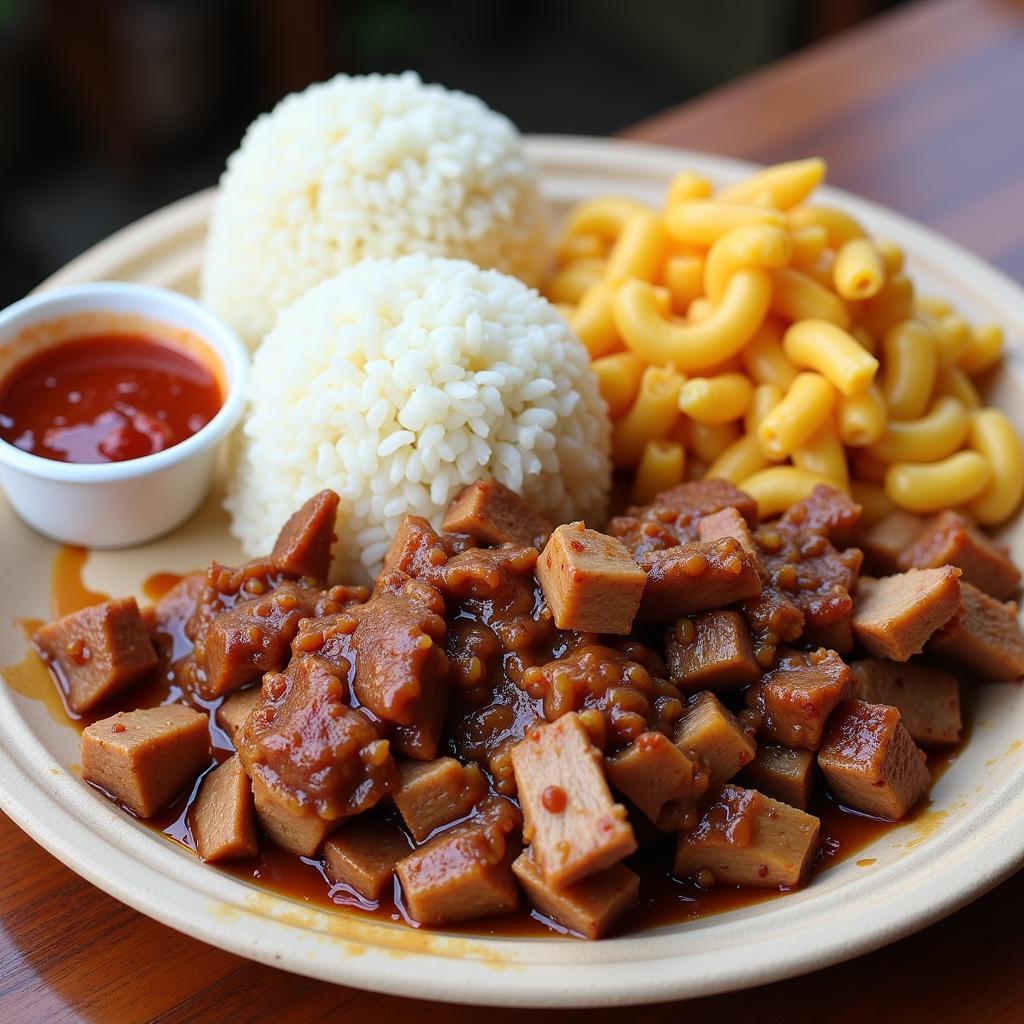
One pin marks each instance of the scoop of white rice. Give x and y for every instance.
(398, 382)
(364, 167)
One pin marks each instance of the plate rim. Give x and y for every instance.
(522, 984)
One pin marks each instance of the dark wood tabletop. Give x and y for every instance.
(921, 109)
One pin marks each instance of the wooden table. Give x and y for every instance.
(922, 110)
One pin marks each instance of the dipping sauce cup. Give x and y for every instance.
(113, 504)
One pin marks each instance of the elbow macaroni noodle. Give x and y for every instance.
(754, 334)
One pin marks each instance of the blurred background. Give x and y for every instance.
(112, 108)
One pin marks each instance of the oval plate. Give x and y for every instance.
(971, 837)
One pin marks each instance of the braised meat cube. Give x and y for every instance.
(433, 793)
(493, 514)
(674, 516)
(950, 539)
(836, 636)
(927, 699)
(400, 669)
(728, 522)
(983, 638)
(699, 498)
(709, 734)
(363, 855)
(746, 838)
(828, 513)
(251, 638)
(97, 652)
(886, 542)
(590, 581)
(313, 760)
(870, 762)
(796, 697)
(713, 651)
(222, 818)
(466, 871)
(145, 758)
(590, 907)
(573, 827)
(659, 779)
(303, 547)
(416, 550)
(697, 578)
(171, 613)
(236, 708)
(782, 773)
(894, 616)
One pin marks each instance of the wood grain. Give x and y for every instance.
(922, 110)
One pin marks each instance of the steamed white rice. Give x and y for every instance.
(398, 382)
(364, 167)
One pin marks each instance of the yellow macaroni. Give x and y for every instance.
(639, 249)
(797, 296)
(931, 486)
(911, 365)
(928, 439)
(661, 467)
(743, 458)
(861, 419)
(822, 346)
(650, 416)
(776, 488)
(993, 436)
(618, 377)
(784, 185)
(716, 399)
(859, 270)
(805, 407)
(754, 245)
(704, 221)
(823, 455)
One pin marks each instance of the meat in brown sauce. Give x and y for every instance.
(452, 690)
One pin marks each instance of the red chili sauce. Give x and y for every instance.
(106, 398)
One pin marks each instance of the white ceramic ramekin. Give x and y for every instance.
(119, 504)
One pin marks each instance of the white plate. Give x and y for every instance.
(972, 837)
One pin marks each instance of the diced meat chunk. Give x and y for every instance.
(303, 547)
(492, 513)
(894, 616)
(590, 581)
(145, 758)
(711, 735)
(251, 638)
(659, 779)
(836, 636)
(170, 614)
(886, 542)
(394, 642)
(97, 652)
(827, 512)
(363, 855)
(870, 762)
(713, 651)
(340, 767)
(727, 522)
(699, 498)
(697, 577)
(796, 697)
(466, 871)
(222, 817)
(782, 773)
(983, 638)
(570, 821)
(746, 838)
(235, 709)
(675, 515)
(950, 539)
(590, 907)
(927, 698)
(433, 793)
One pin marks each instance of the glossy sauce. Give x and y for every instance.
(663, 901)
(106, 398)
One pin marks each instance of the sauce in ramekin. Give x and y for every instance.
(106, 398)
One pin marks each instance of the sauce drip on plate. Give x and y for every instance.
(106, 398)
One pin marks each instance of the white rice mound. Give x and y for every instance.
(398, 382)
(367, 167)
